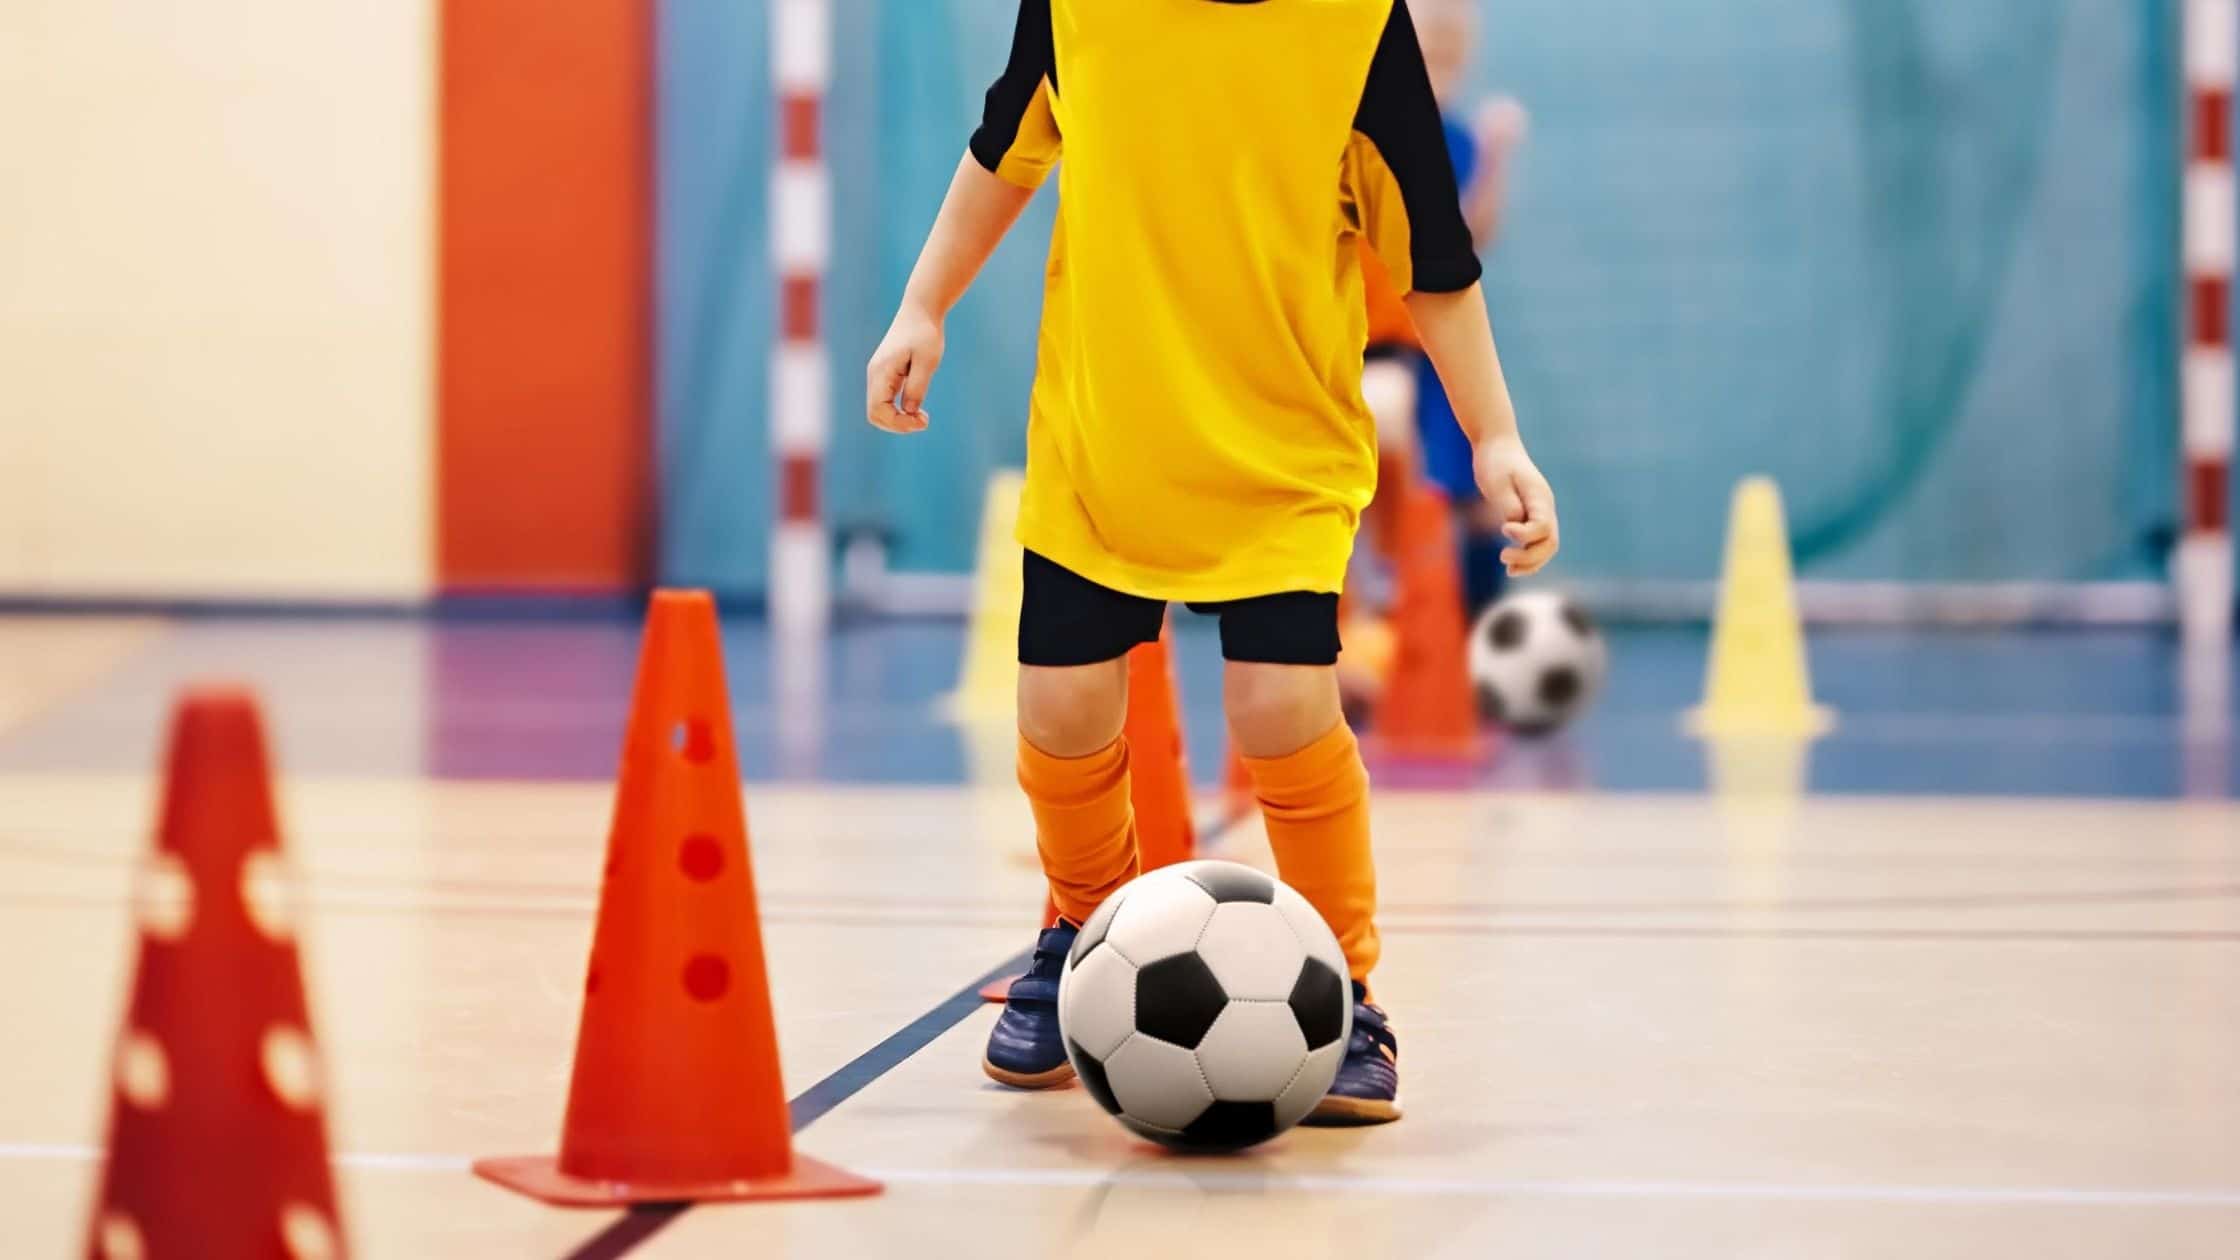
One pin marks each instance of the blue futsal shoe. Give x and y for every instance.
(1367, 1090)
(1025, 1050)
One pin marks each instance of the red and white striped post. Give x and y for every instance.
(2204, 568)
(801, 243)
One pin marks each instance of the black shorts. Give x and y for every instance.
(1066, 619)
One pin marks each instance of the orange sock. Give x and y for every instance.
(1316, 805)
(1084, 824)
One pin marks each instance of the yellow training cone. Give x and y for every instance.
(1757, 683)
(988, 683)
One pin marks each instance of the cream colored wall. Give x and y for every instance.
(216, 260)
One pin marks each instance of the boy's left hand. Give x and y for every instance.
(1514, 486)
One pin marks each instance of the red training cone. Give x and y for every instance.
(1158, 765)
(217, 1135)
(1428, 710)
(676, 1093)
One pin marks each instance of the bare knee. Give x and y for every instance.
(1074, 711)
(1276, 710)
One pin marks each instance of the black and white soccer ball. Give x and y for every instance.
(1206, 1005)
(1537, 660)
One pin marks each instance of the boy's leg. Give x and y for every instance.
(1281, 694)
(1314, 794)
(1073, 765)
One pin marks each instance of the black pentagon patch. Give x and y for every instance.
(1576, 618)
(1229, 1126)
(1228, 882)
(1507, 631)
(1092, 1076)
(1318, 1002)
(1490, 706)
(1559, 686)
(1093, 932)
(1177, 1000)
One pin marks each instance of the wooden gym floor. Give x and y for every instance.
(1974, 993)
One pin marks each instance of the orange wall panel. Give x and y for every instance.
(544, 408)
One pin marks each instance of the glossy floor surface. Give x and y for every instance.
(1963, 979)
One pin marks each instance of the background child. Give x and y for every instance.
(1416, 425)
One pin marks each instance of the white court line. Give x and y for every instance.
(1221, 1180)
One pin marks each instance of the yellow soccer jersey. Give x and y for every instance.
(1197, 430)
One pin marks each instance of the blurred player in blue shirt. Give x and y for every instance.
(1481, 146)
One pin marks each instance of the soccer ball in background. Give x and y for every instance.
(1206, 1006)
(1537, 661)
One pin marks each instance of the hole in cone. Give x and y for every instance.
(707, 977)
(701, 858)
(118, 1238)
(694, 740)
(291, 1070)
(163, 897)
(268, 894)
(306, 1233)
(143, 1071)
(591, 983)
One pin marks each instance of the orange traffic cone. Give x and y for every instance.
(676, 1093)
(1428, 711)
(1158, 773)
(217, 1137)
(1158, 765)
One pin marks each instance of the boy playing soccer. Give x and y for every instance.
(1197, 430)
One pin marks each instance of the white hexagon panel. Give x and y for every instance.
(1314, 934)
(1253, 952)
(1097, 1001)
(1253, 1052)
(1158, 1084)
(1313, 1081)
(1161, 916)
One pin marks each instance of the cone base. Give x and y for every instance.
(539, 1177)
(1709, 722)
(997, 990)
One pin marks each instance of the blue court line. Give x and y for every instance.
(814, 1103)
(628, 1230)
(624, 1234)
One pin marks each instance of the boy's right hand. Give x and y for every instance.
(1511, 483)
(901, 370)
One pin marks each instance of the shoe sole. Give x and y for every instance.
(1337, 1111)
(1056, 1078)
